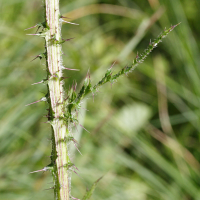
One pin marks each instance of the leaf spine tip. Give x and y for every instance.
(61, 20)
(40, 170)
(84, 128)
(113, 64)
(42, 99)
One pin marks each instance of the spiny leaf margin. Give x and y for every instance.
(108, 77)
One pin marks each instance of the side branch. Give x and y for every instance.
(87, 88)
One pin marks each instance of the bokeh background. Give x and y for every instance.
(144, 129)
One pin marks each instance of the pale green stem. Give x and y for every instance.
(60, 158)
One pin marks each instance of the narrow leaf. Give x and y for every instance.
(90, 192)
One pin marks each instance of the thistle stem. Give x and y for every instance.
(60, 154)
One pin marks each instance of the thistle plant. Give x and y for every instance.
(64, 105)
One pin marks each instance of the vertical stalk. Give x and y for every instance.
(60, 156)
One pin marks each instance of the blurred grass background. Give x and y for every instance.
(144, 129)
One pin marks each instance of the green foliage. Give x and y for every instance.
(89, 193)
(148, 160)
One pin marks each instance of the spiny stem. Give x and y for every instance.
(60, 151)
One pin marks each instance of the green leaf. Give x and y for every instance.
(90, 192)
